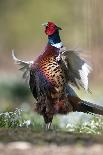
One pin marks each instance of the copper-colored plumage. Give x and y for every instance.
(52, 70)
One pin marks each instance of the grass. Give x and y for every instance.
(13, 93)
(93, 126)
(24, 119)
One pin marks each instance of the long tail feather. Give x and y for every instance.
(87, 107)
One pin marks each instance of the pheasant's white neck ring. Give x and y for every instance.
(58, 45)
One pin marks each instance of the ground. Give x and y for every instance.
(29, 141)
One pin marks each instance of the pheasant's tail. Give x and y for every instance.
(87, 107)
(24, 66)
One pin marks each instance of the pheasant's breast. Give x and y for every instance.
(53, 72)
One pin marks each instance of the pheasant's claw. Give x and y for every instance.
(48, 126)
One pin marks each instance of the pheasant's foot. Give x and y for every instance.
(48, 126)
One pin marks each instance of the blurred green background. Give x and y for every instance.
(20, 29)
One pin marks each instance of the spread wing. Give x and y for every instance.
(24, 66)
(75, 68)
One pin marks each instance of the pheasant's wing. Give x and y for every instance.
(75, 68)
(24, 66)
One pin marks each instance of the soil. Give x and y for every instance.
(29, 142)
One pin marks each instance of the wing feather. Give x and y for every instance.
(75, 68)
(24, 66)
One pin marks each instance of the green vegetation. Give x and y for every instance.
(13, 93)
(24, 119)
(18, 119)
(21, 119)
(93, 126)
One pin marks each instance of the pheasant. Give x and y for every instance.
(53, 75)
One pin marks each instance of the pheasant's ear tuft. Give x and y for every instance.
(51, 28)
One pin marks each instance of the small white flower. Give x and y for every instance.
(28, 122)
(69, 125)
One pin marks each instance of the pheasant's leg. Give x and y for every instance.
(48, 121)
(48, 126)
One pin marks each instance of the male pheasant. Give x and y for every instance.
(51, 76)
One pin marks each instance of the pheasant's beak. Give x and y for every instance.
(59, 28)
(45, 24)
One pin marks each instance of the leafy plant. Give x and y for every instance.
(92, 126)
(21, 119)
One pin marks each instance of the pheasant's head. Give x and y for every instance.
(51, 28)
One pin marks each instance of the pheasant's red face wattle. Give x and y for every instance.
(51, 28)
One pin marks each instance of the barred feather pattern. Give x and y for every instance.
(53, 73)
